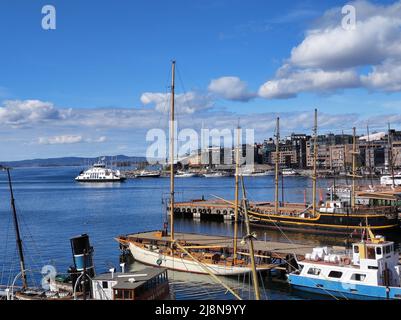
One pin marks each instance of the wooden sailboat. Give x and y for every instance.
(183, 252)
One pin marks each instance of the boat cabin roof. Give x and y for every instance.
(130, 280)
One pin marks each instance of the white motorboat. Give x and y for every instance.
(183, 174)
(217, 174)
(289, 172)
(148, 174)
(100, 173)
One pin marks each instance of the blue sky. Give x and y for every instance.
(93, 85)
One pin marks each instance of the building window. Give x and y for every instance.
(335, 274)
(105, 284)
(358, 277)
(314, 271)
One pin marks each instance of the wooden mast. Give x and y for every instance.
(172, 136)
(249, 237)
(17, 232)
(314, 176)
(370, 158)
(276, 203)
(390, 154)
(353, 167)
(237, 167)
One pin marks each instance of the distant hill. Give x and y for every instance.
(72, 161)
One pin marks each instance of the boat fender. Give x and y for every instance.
(224, 211)
(209, 211)
(218, 211)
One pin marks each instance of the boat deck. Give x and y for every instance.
(272, 249)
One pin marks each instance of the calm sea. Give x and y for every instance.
(52, 208)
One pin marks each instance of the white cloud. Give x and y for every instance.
(187, 103)
(386, 77)
(329, 56)
(65, 139)
(17, 112)
(231, 88)
(308, 80)
(70, 139)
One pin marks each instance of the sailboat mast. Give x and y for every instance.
(370, 158)
(17, 232)
(250, 243)
(314, 177)
(390, 154)
(172, 136)
(353, 167)
(277, 164)
(237, 166)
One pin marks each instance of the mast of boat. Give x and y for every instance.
(276, 203)
(172, 136)
(237, 167)
(314, 177)
(353, 167)
(249, 237)
(390, 154)
(370, 159)
(17, 231)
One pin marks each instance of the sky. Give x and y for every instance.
(99, 81)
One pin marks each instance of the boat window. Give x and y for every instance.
(356, 249)
(358, 277)
(126, 294)
(371, 253)
(378, 250)
(314, 271)
(335, 274)
(105, 284)
(388, 249)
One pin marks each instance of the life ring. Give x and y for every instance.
(159, 261)
(347, 261)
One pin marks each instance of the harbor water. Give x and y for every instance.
(52, 208)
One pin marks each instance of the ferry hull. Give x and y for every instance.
(178, 264)
(343, 290)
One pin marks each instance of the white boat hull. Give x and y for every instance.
(174, 263)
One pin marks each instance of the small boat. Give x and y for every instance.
(183, 174)
(100, 173)
(216, 174)
(148, 174)
(389, 180)
(370, 270)
(289, 172)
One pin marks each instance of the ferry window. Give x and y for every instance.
(371, 253)
(388, 250)
(356, 249)
(358, 277)
(314, 271)
(335, 274)
(105, 284)
(378, 250)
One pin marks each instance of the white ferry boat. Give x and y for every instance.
(371, 270)
(100, 173)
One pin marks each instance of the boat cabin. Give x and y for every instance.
(147, 284)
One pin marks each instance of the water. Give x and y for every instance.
(53, 208)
